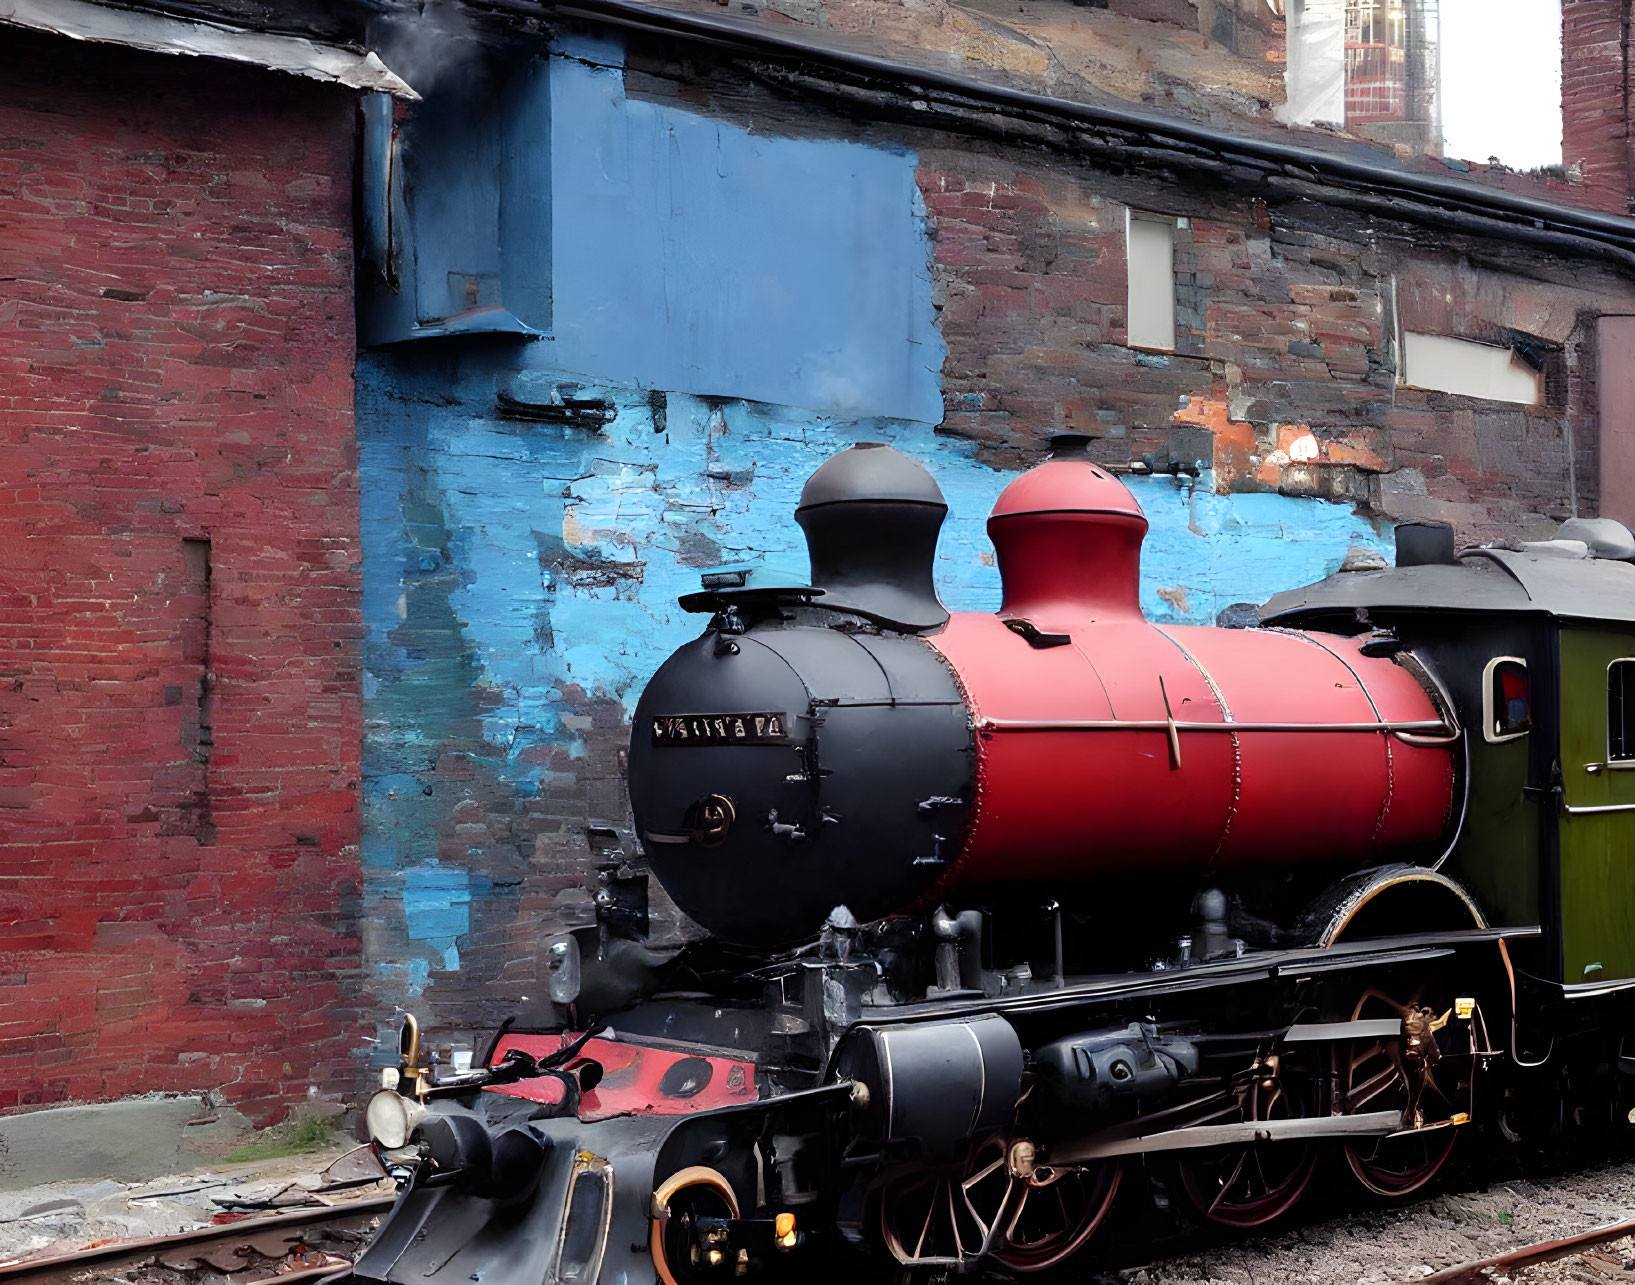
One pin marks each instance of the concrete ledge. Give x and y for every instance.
(130, 1140)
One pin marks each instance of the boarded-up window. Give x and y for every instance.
(1469, 369)
(1151, 312)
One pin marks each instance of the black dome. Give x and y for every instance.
(871, 517)
(870, 471)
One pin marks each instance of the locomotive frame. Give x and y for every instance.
(960, 1079)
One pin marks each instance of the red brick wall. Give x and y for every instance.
(179, 720)
(1594, 100)
(1284, 329)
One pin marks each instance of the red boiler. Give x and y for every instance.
(1105, 742)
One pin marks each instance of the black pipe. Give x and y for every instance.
(1456, 220)
(1614, 230)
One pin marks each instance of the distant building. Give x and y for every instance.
(1368, 67)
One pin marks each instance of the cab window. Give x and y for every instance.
(1621, 711)
(1507, 700)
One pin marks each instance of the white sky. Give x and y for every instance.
(1501, 81)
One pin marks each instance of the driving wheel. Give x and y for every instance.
(1251, 1184)
(1035, 1222)
(1412, 1073)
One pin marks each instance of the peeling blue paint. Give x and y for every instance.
(571, 552)
(436, 907)
(407, 978)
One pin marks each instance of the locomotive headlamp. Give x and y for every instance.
(391, 1118)
(562, 964)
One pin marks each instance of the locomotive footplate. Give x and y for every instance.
(1258, 966)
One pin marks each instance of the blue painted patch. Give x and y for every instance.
(407, 978)
(1204, 552)
(437, 908)
(693, 255)
(568, 552)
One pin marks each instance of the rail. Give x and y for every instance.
(1546, 1251)
(72, 1266)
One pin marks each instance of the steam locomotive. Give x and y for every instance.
(1002, 910)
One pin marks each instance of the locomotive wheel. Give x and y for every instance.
(694, 1193)
(1377, 1075)
(1048, 1216)
(1251, 1185)
(1058, 1210)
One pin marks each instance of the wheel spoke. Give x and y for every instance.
(1372, 1088)
(930, 1217)
(1016, 1218)
(1373, 1050)
(982, 1173)
(1227, 1185)
(1259, 1153)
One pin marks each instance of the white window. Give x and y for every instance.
(1469, 369)
(1150, 248)
(1507, 699)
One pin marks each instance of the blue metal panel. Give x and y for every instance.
(525, 194)
(695, 256)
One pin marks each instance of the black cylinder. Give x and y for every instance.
(1425, 544)
(805, 769)
(936, 1088)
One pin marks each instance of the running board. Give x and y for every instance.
(1381, 1028)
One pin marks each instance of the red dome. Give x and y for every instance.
(1068, 538)
(1067, 486)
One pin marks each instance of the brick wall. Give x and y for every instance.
(1594, 100)
(179, 705)
(1285, 332)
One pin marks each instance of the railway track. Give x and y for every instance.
(300, 1245)
(1588, 1250)
(307, 1245)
